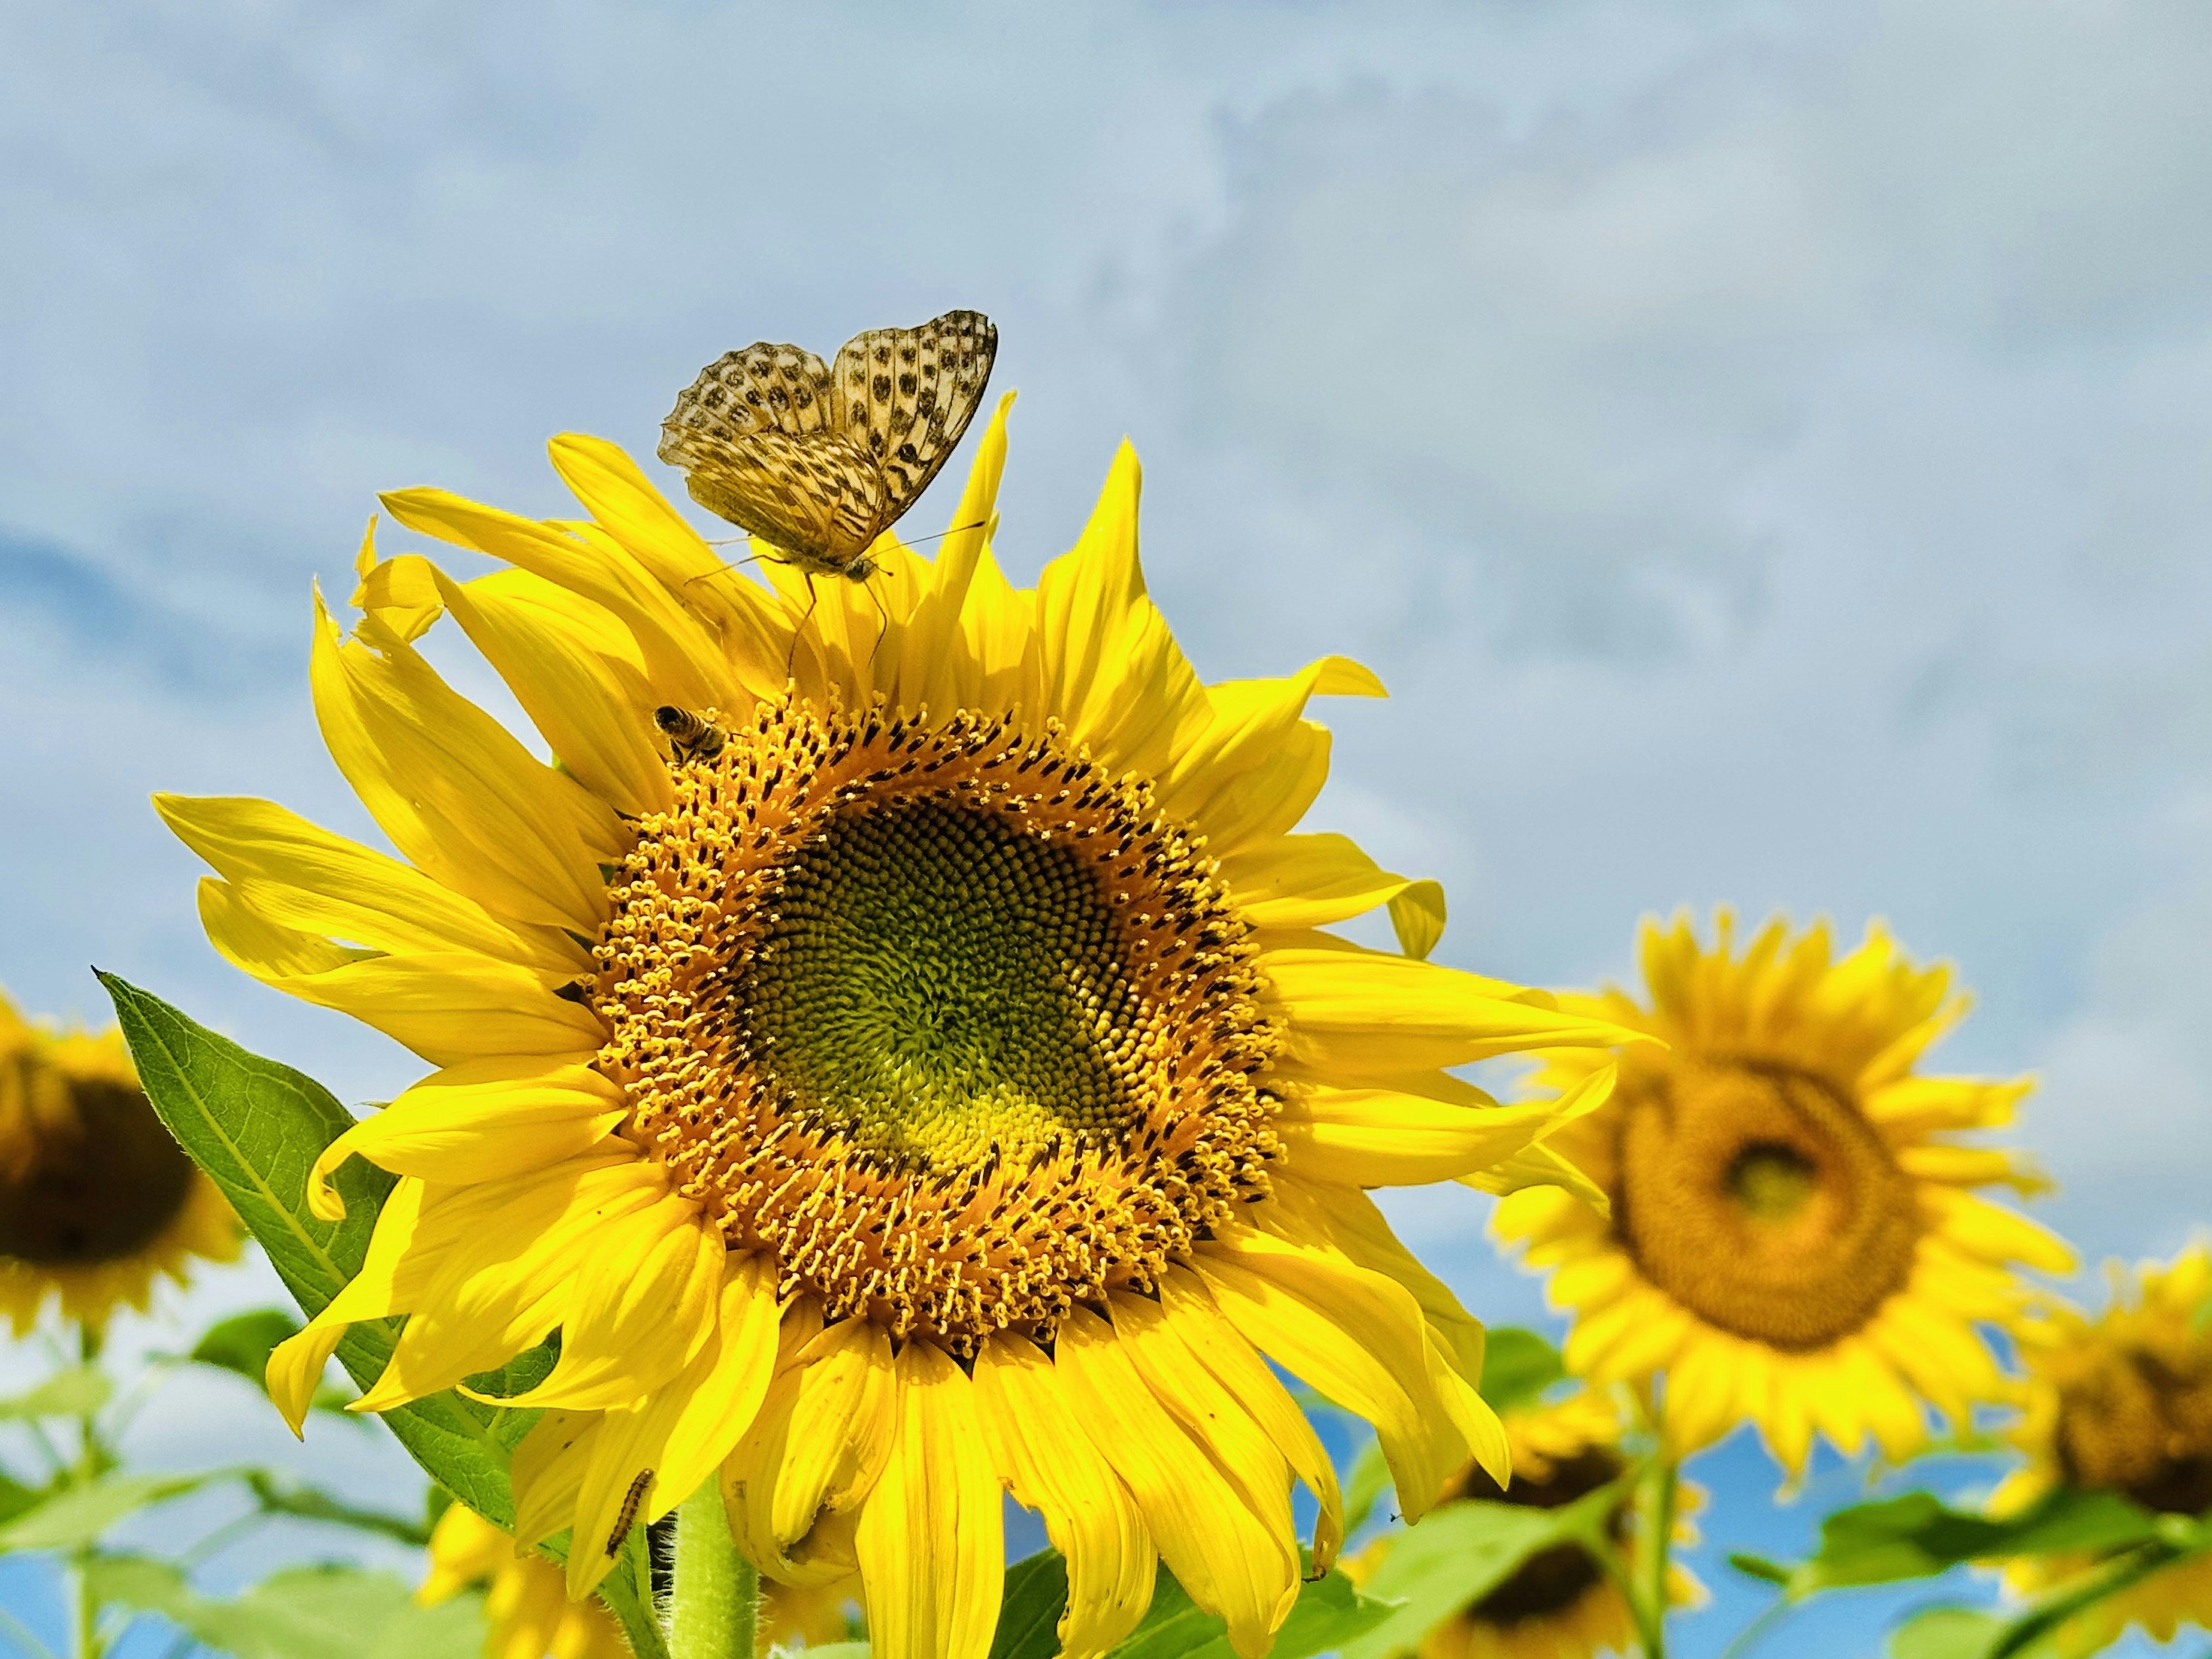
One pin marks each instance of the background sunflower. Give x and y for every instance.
(97, 1202)
(1794, 1237)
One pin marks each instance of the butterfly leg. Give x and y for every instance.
(883, 625)
(813, 599)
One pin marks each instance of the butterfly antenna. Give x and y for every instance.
(813, 599)
(883, 627)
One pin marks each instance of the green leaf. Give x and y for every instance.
(305, 1612)
(312, 1504)
(1945, 1633)
(257, 1127)
(1757, 1566)
(15, 1498)
(80, 1391)
(1461, 1552)
(76, 1516)
(1517, 1366)
(243, 1342)
(1917, 1535)
(1364, 1488)
(1028, 1614)
(1329, 1613)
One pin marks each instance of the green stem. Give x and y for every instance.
(1654, 1542)
(717, 1592)
(1756, 1632)
(88, 1614)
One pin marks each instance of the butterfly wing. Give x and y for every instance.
(816, 497)
(904, 396)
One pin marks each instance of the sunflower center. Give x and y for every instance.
(100, 1192)
(1760, 1198)
(943, 1017)
(1552, 1580)
(937, 981)
(2139, 1422)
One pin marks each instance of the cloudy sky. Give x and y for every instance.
(1763, 447)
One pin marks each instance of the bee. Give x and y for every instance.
(818, 461)
(626, 1516)
(690, 736)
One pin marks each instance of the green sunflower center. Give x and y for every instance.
(937, 982)
(943, 1017)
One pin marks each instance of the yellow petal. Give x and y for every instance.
(1224, 774)
(1113, 673)
(1425, 1128)
(1050, 1466)
(683, 661)
(1228, 1559)
(484, 1120)
(1357, 1337)
(1213, 1342)
(292, 874)
(1366, 1013)
(248, 940)
(448, 1007)
(642, 1309)
(839, 1425)
(931, 1550)
(1309, 881)
(932, 668)
(454, 790)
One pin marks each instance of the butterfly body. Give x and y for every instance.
(819, 459)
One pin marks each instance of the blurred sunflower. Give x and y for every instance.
(1559, 1603)
(2123, 1403)
(96, 1200)
(1793, 1239)
(893, 1045)
(528, 1615)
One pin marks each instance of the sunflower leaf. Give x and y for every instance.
(1917, 1535)
(257, 1127)
(1459, 1554)
(1329, 1612)
(1945, 1633)
(80, 1391)
(303, 1613)
(1517, 1366)
(74, 1516)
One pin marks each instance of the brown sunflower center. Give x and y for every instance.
(2139, 1422)
(100, 1190)
(945, 1016)
(1552, 1580)
(1762, 1198)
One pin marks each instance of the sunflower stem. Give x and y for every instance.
(1654, 1548)
(717, 1595)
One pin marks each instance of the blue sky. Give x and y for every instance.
(1764, 448)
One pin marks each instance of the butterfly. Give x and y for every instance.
(818, 461)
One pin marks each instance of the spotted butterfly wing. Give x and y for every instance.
(754, 435)
(906, 395)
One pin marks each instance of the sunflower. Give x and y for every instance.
(2123, 1403)
(893, 1044)
(1793, 1236)
(528, 1615)
(527, 1612)
(1559, 1603)
(96, 1200)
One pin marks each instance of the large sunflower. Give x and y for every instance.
(1793, 1238)
(2123, 1403)
(97, 1202)
(1559, 1603)
(892, 1044)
